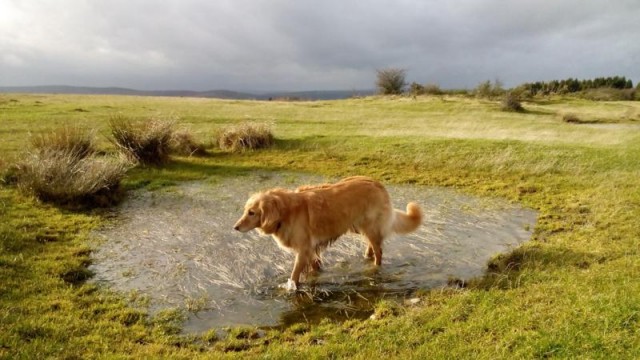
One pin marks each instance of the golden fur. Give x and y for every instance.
(307, 220)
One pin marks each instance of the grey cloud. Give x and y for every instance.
(299, 45)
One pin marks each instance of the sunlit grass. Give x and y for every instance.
(569, 293)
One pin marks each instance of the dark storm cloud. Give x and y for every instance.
(294, 45)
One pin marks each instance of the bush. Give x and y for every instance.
(61, 175)
(489, 90)
(144, 141)
(428, 89)
(391, 81)
(416, 89)
(433, 89)
(511, 102)
(183, 143)
(483, 90)
(245, 136)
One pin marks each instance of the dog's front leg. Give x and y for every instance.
(301, 261)
(369, 252)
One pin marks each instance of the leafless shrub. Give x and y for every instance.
(391, 81)
(511, 102)
(487, 89)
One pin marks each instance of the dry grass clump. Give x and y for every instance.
(62, 177)
(245, 136)
(63, 167)
(183, 143)
(73, 140)
(144, 141)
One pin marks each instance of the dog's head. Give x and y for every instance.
(261, 211)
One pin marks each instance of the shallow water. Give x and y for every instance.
(177, 247)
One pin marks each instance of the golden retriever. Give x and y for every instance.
(309, 219)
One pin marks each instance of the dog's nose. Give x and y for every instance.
(236, 227)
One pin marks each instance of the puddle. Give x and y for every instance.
(177, 248)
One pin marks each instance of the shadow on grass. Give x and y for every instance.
(505, 271)
(180, 170)
(538, 112)
(311, 142)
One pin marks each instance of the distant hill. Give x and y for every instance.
(218, 94)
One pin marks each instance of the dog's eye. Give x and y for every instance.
(251, 213)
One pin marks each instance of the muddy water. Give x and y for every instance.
(177, 248)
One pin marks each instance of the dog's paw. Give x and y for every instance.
(289, 286)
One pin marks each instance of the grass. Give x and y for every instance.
(572, 292)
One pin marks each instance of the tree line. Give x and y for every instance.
(392, 81)
(572, 85)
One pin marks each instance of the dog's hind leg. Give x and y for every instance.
(375, 246)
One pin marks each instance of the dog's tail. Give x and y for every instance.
(406, 222)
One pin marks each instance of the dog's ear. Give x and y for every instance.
(270, 214)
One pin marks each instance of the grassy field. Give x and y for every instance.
(573, 291)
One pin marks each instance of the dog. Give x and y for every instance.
(307, 220)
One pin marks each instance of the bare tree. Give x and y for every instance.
(391, 81)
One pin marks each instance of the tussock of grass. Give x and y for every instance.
(245, 136)
(63, 167)
(183, 143)
(61, 176)
(145, 141)
(74, 141)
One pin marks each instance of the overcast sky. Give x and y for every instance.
(313, 45)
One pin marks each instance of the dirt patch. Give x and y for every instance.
(177, 248)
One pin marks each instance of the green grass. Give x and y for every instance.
(571, 292)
